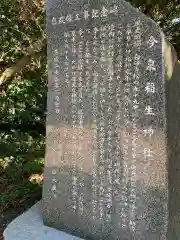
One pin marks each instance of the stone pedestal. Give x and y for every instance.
(29, 226)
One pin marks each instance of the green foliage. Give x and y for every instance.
(19, 193)
(20, 26)
(21, 156)
(163, 12)
(25, 100)
(23, 106)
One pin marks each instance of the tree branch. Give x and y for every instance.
(17, 67)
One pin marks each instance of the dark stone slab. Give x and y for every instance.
(173, 126)
(105, 172)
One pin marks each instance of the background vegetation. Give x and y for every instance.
(23, 88)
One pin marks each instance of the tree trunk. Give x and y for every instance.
(17, 67)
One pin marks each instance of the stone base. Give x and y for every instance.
(29, 226)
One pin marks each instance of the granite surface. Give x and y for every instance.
(30, 226)
(105, 171)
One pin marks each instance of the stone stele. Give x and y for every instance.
(105, 173)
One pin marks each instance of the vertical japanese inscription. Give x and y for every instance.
(110, 111)
(127, 128)
(67, 61)
(56, 87)
(74, 111)
(110, 96)
(80, 89)
(102, 102)
(95, 76)
(135, 117)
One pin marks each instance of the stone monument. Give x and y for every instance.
(105, 173)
